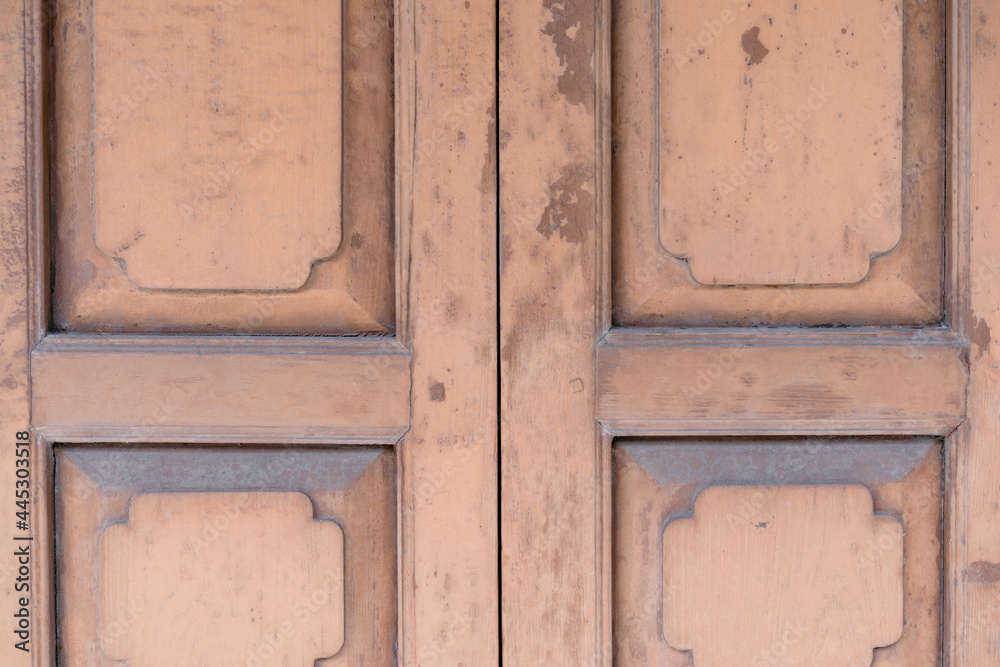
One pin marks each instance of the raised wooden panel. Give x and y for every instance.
(781, 382)
(223, 166)
(774, 145)
(777, 163)
(746, 550)
(204, 387)
(804, 573)
(290, 551)
(225, 174)
(246, 561)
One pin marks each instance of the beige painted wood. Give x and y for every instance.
(258, 198)
(417, 262)
(977, 584)
(783, 572)
(656, 481)
(549, 323)
(651, 287)
(753, 118)
(446, 59)
(784, 383)
(16, 185)
(354, 487)
(353, 389)
(576, 149)
(252, 139)
(158, 566)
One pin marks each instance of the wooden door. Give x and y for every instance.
(248, 333)
(748, 304)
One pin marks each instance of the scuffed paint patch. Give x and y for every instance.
(488, 180)
(980, 336)
(572, 32)
(570, 210)
(753, 47)
(983, 572)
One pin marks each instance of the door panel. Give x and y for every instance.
(325, 489)
(804, 189)
(154, 532)
(833, 556)
(731, 405)
(281, 220)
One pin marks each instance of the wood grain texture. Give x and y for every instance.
(656, 482)
(17, 55)
(334, 389)
(653, 288)
(156, 567)
(248, 138)
(446, 57)
(752, 120)
(354, 487)
(778, 383)
(979, 442)
(249, 102)
(763, 571)
(549, 322)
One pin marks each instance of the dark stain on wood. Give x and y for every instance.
(436, 391)
(983, 572)
(979, 336)
(752, 46)
(572, 32)
(570, 210)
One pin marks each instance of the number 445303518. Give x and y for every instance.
(22, 471)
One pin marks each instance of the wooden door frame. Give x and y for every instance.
(377, 390)
(569, 377)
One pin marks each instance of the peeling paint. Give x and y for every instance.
(983, 572)
(570, 210)
(979, 336)
(572, 32)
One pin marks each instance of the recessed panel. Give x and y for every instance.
(732, 551)
(236, 555)
(223, 166)
(777, 163)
